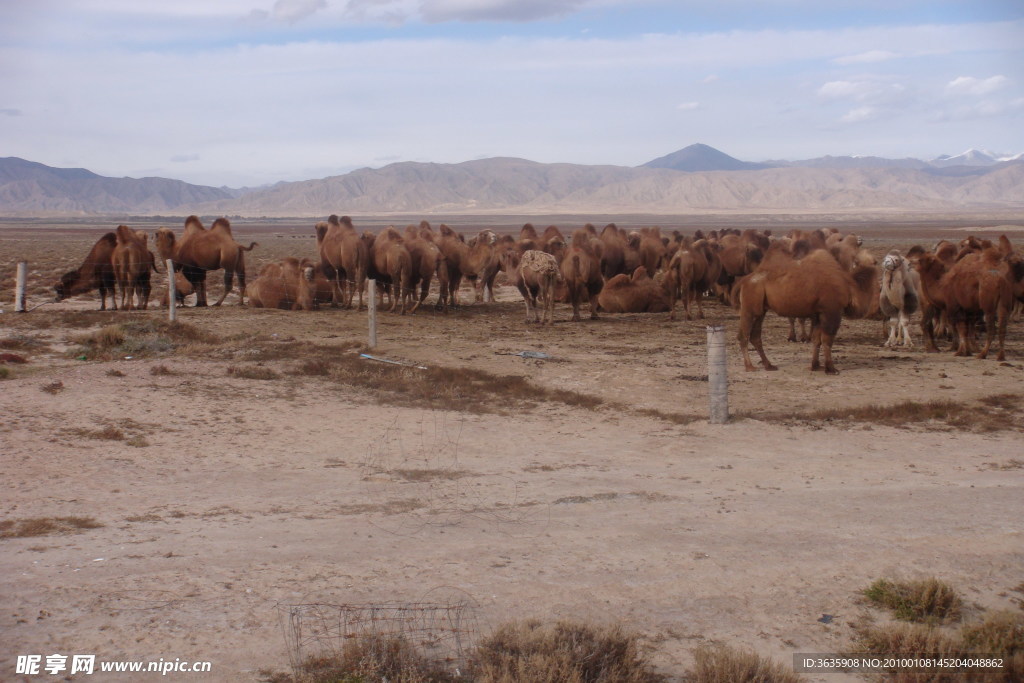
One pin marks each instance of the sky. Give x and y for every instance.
(251, 92)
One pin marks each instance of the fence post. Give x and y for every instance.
(718, 381)
(172, 292)
(19, 290)
(372, 310)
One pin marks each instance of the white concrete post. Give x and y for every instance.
(718, 381)
(372, 310)
(19, 290)
(172, 292)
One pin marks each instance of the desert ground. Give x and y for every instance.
(250, 462)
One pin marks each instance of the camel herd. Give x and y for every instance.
(817, 276)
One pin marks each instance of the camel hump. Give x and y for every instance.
(125, 235)
(223, 224)
(194, 222)
(333, 219)
(640, 274)
(1004, 245)
(110, 238)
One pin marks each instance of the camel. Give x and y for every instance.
(344, 259)
(200, 250)
(931, 269)
(652, 250)
(287, 284)
(535, 274)
(613, 254)
(814, 287)
(96, 272)
(739, 255)
(182, 289)
(132, 261)
(636, 294)
(691, 271)
(391, 264)
(481, 264)
(981, 283)
(427, 261)
(455, 252)
(898, 298)
(581, 269)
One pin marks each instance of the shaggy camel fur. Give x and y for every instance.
(391, 264)
(981, 283)
(182, 289)
(427, 262)
(481, 264)
(535, 274)
(898, 298)
(344, 259)
(692, 271)
(287, 284)
(132, 262)
(200, 250)
(455, 252)
(931, 269)
(581, 269)
(636, 294)
(96, 272)
(652, 250)
(814, 287)
(739, 255)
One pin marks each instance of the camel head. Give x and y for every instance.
(333, 220)
(892, 261)
(64, 285)
(321, 230)
(165, 242)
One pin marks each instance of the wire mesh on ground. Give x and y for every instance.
(442, 631)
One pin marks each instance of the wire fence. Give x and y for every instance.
(443, 631)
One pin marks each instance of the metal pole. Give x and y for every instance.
(19, 291)
(372, 310)
(718, 380)
(172, 292)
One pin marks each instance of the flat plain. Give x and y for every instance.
(247, 461)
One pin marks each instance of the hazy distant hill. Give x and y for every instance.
(700, 157)
(28, 188)
(506, 185)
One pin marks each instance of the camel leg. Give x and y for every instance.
(755, 338)
(1004, 315)
(241, 284)
(893, 339)
(792, 330)
(816, 345)
(229, 278)
(700, 306)
(827, 329)
(908, 341)
(746, 323)
(990, 333)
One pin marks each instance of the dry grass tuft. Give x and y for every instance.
(114, 373)
(564, 651)
(1000, 632)
(257, 372)
(53, 387)
(369, 659)
(927, 600)
(161, 370)
(5, 373)
(140, 338)
(43, 526)
(108, 433)
(1001, 412)
(723, 664)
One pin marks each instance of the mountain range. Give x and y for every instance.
(696, 179)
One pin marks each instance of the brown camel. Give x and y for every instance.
(344, 259)
(481, 264)
(636, 294)
(287, 284)
(581, 269)
(132, 261)
(455, 252)
(981, 284)
(96, 272)
(814, 287)
(391, 265)
(200, 250)
(427, 262)
(931, 270)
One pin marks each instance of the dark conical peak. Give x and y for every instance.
(701, 157)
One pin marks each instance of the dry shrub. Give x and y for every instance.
(141, 337)
(161, 370)
(43, 526)
(253, 373)
(21, 342)
(565, 651)
(5, 373)
(114, 373)
(1000, 632)
(53, 387)
(724, 664)
(108, 433)
(371, 658)
(926, 600)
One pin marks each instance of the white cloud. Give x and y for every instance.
(711, 78)
(291, 11)
(968, 85)
(869, 57)
(688, 106)
(859, 115)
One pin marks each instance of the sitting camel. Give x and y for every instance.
(637, 294)
(898, 298)
(815, 287)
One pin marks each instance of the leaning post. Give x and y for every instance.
(172, 292)
(19, 288)
(371, 309)
(718, 381)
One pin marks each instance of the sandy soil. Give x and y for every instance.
(232, 499)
